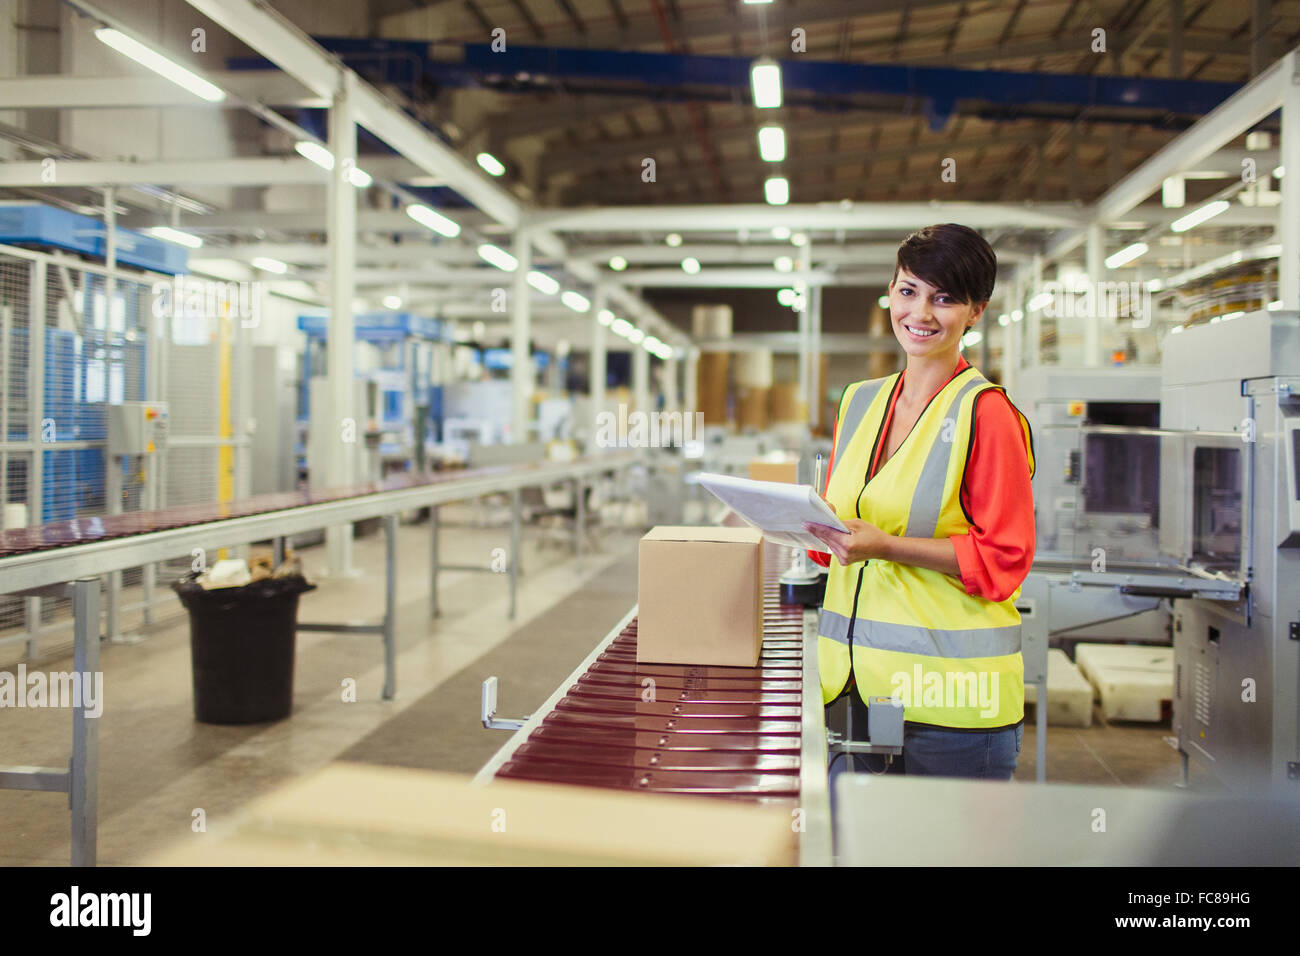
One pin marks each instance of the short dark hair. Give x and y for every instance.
(955, 259)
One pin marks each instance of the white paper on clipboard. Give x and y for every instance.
(775, 508)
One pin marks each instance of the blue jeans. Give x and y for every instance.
(940, 752)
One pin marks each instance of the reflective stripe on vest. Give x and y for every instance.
(915, 629)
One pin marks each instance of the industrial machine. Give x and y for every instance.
(1230, 503)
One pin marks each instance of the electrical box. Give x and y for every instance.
(137, 428)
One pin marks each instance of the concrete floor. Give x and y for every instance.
(158, 766)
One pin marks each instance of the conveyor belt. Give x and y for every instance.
(731, 732)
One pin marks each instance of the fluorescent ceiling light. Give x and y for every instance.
(392, 302)
(973, 337)
(652, 344)
(604, 317)
(270, 265)
(783, 264)
(765, 81)
(776, 190)
(1043, 298)
(786, 297)
(491, 165)
(543, 283)
(771, 143)
(432, 219)
(883, 302)
(1279, 172)
(1004, 320)
(176, 236)
(1198, 216)
(1173, 192)
(617, 263)
(635, 336)
(1016, 315)
(1155, 285)
(575, 301)
(318, 154)
(799, 239)
(690, 265)
(1125, 255)
(497, 256)
(160, 64)
(621, 327)
(673, 239)
(781, 233)
(361, 179)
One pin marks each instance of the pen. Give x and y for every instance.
(817, 475)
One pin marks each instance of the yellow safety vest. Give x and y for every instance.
(903, 631)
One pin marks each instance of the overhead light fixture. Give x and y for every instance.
(604, 317)
(1045, 298)
(783, 264)
(786, 297)
(673, 239)
(1016, 315)
(691, 265)
(432, 219)
(1124, 256)
(176, 236)
(268, 264)
(1279, 172)
(1004, 320)
(1198, 216)
(160, 64)
(776, 190)
(771, 143)
(780, 233)
(495, 255)
(392, 302)
(973, 337)
(652, 344)
(1155, 285)
(621, 327)
(617, 263)
(322, 157)
(765, 82)
(635, 336)
(490, 164)
(542, 282)
(883, 302)
(799, 239)
(1173, 192)
(575, 301)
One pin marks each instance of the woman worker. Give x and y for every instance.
(930, 472)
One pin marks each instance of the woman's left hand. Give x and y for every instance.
(863, 542)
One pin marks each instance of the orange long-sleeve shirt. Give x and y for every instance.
(995, 556)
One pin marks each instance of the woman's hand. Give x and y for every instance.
(863, 541)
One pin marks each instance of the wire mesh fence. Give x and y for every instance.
(76, 338)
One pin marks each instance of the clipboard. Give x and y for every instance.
(776, 508)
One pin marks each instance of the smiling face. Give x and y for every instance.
(927, 321)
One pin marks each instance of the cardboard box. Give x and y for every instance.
(358, 815)
(784, 404)
(751, 407)
(700, 596)
(787, 471)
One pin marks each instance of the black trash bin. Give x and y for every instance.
(241, 647)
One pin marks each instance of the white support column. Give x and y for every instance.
(692, 381)
(521, 359)
(805, 327)
(815, 357)
(1034, 320)
(641, 378)
(1288, 265)
(672, 394)
(1096, 266)
(599, 359)
(341, 233)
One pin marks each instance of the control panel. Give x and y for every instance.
(137, 428)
